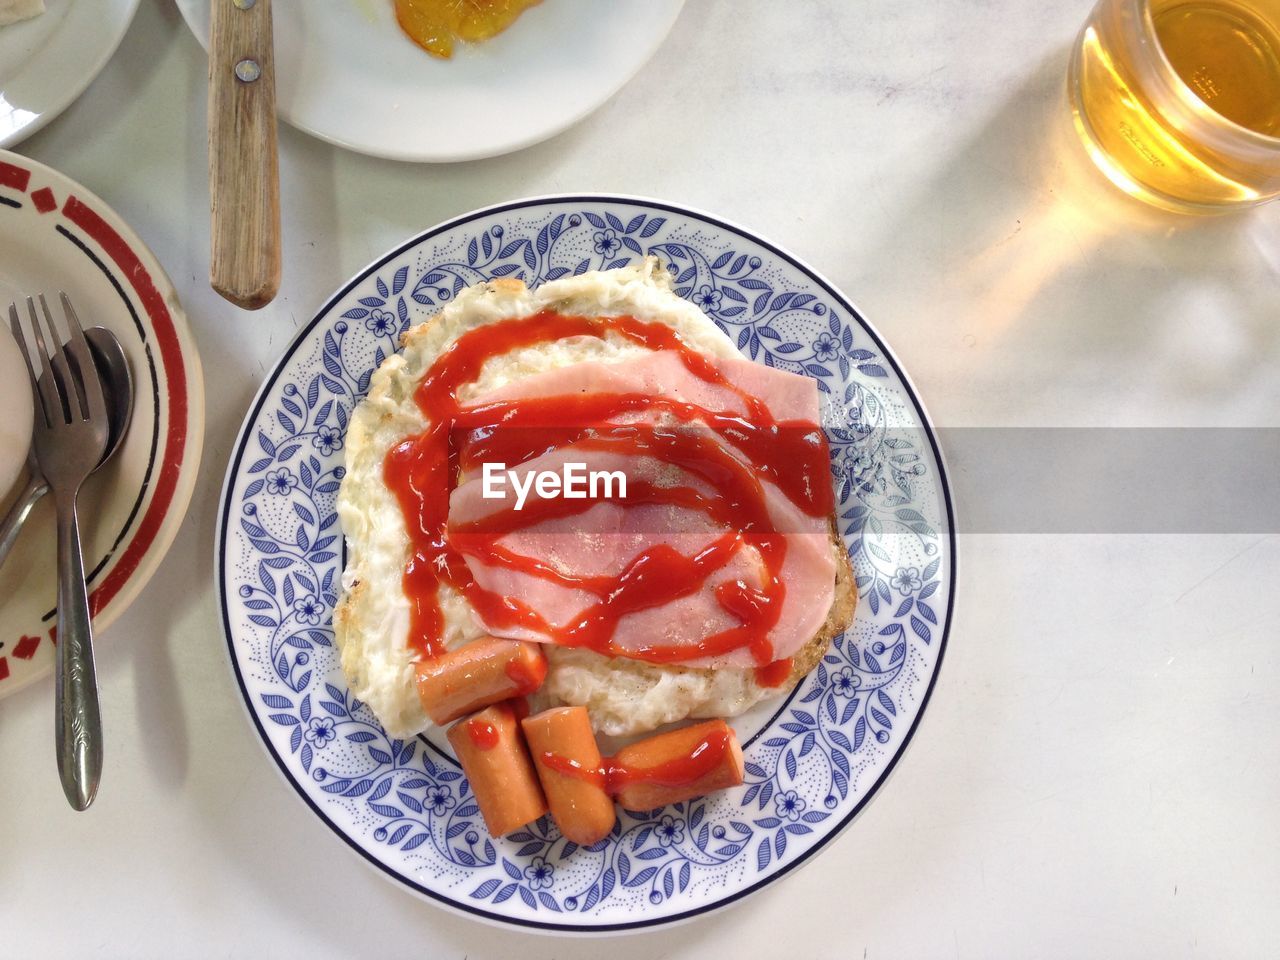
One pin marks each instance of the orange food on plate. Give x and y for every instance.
(491, 750)
(668, 768)
(580, 805)
(483, 672)
(711, 578)
(676, 766)
(435, 25)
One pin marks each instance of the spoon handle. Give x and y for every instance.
(18, 513)
(79, 720)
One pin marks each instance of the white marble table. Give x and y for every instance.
(1099, 769)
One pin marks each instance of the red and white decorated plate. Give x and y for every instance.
(55, 235)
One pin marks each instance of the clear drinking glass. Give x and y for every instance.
(1178, 101)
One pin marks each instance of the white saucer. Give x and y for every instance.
(46, 62)
(347, 74)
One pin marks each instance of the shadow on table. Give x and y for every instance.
(1020, 227)
(1020, 220)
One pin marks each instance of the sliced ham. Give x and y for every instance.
(605, 537)
(663, 373)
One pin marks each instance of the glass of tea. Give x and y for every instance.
(1178, 101)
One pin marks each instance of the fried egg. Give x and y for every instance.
(623, 696)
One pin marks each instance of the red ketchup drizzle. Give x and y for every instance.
(422, 471)
(774, 674)
(526, 680)
(783, 453)
(483, 734)
(701, 759)
(567, 766)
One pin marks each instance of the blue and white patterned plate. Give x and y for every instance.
(812, 763)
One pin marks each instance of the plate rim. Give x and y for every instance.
(74, 90)
(189, 468)
(459, 156)
(237, 455)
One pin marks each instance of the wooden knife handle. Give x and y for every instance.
(244, 176)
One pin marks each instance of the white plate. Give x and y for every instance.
(19, 414)
(347, 74)
(47, 62)
(813, 761)
(55, 235)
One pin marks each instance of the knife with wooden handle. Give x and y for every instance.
(244, 177)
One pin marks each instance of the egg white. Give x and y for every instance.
(372, 620)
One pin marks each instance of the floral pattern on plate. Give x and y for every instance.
(812, 762)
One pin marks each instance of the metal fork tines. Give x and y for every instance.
(69, 438)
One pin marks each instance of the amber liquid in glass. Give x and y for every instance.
(1228, 54)
(1229, 57)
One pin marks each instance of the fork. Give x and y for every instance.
(69, 438)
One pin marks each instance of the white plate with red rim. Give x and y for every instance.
(49, 60)
(55, 235)
(346, 73)
(813, 761)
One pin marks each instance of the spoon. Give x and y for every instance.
(113, 366)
